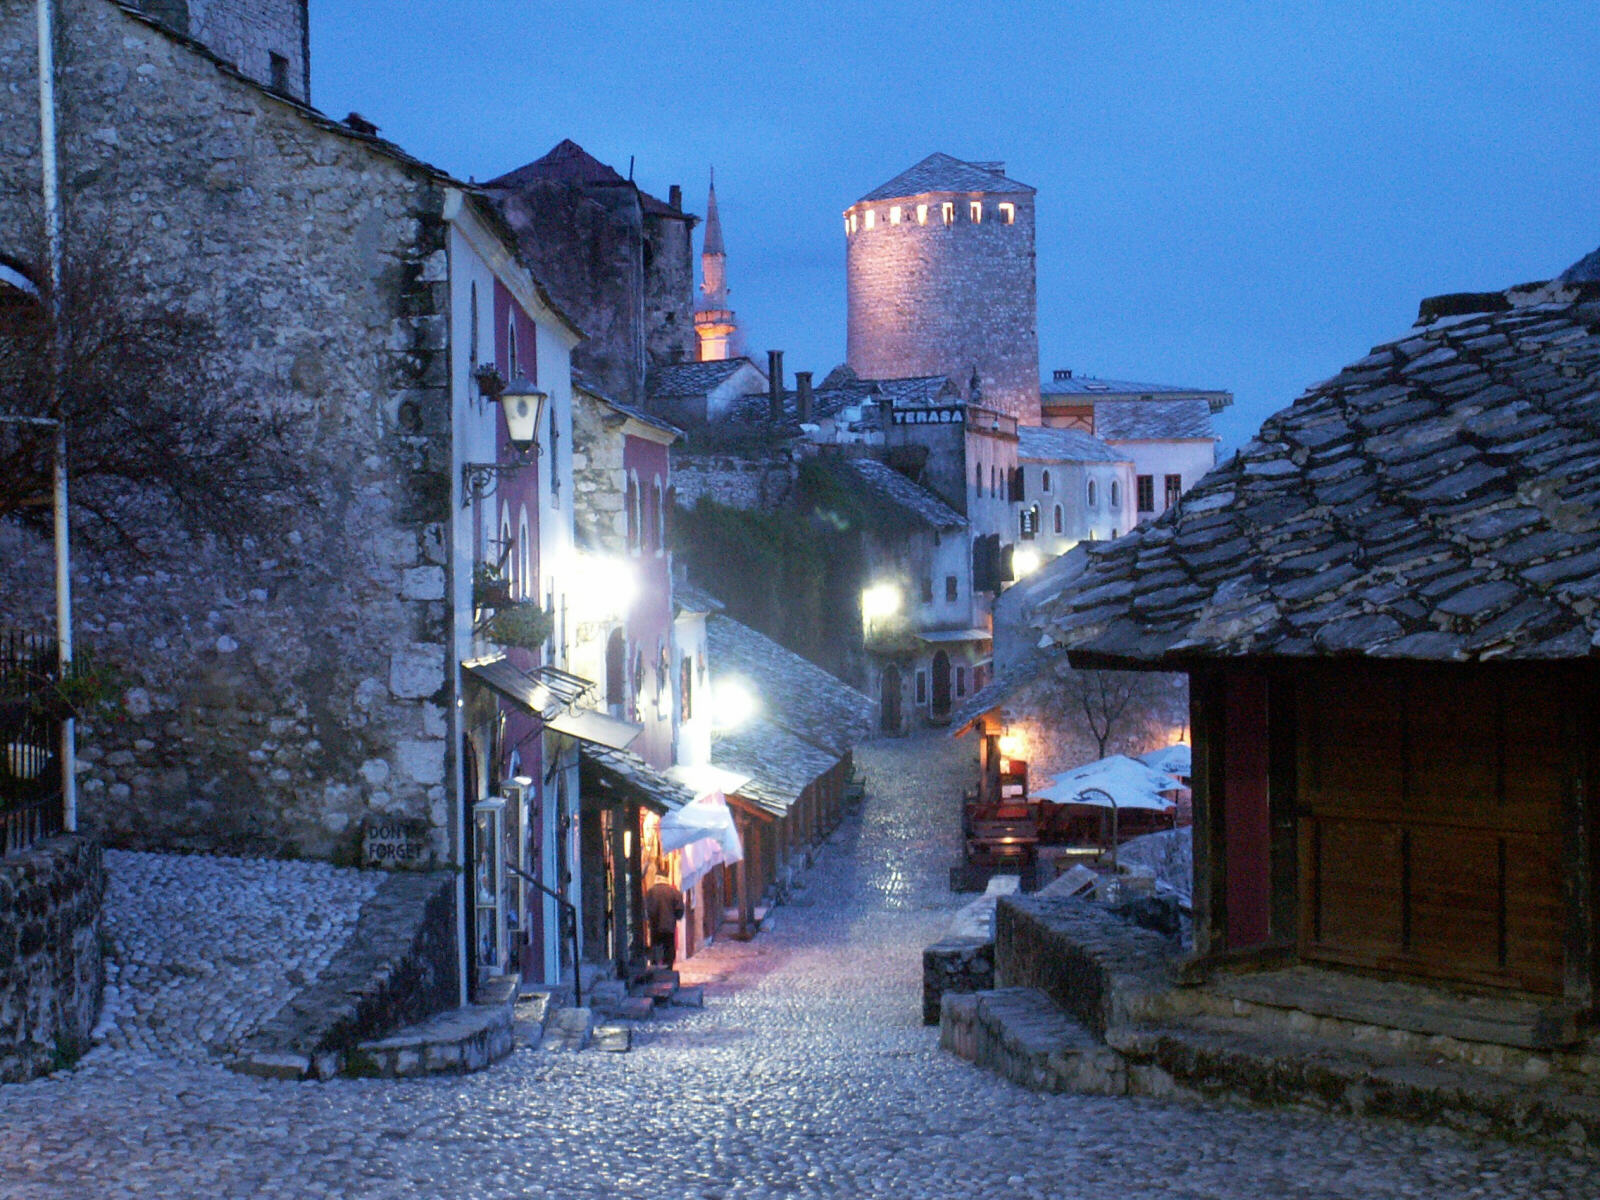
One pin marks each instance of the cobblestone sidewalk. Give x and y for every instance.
(808, 1074)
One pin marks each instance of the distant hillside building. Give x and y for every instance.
(714, 326)
(940, 279)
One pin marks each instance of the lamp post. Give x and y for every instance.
(1111, 800)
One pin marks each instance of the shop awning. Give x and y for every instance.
(1112, 782)
(708, 777)
(624, 771)
(544, 691)
(599, 728)
(703, 835)
(955, 635)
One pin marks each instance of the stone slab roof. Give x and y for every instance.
(1088, 385)
(1438, 500)
(883, 482)
(693, 378)
(944, 173)
(1039, 444)
(780, 764)
(569, 163)
(796, 694)
(689, 598)
(1152, 420)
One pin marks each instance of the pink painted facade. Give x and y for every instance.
(651, 653)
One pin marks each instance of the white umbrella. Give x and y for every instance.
(1175, 759)
(704, 833)
(1129, 783)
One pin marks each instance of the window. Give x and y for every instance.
(952, 587)
(524, 556)
(1008, 213)
(686, 687)
(1028, 523)
(922, 687)
(894, 214)
(472, 326)
(631, 503)
(555, 459)
(1174, 489)
(511, 347)
(1058, 518)
(922, 214)
(975, 211)
(1045, 480)
(961, 681)
(871, 217)
(977, 478)
(1091, 494)
(1145, 485)
(849, 224)
(994, 480)
(947, 212)
(660, 530)
(280, 72)
(1116, 494)
(1115, 533)
(927, 589)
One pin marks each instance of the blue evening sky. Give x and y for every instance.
(1243, 196)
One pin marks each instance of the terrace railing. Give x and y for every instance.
(31, 804)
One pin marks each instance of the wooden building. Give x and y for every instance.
(1386, 607)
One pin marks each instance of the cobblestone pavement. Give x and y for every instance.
(808, 1074)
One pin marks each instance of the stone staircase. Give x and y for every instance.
(615, 1008)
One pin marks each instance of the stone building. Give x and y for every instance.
(1075, 488)
(296, 696)
(268, 40)
(940, 279)
(614, 256)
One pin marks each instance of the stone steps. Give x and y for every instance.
(1021, 1034)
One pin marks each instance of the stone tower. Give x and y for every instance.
(939, 267)
(713, 319)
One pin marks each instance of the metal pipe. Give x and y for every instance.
(51, 171)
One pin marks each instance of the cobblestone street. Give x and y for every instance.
(807, 1074)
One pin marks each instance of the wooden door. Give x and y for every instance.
(889, 705)
(1429, 830)
(941, 684)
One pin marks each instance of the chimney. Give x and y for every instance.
(1063, 373)
(675, 197)
(775, 385)
(802, 387)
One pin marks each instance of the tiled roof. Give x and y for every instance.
(908, 496)
(691, 378)
(1152, 420)
(831, 399)
(626, 770)
(795, 694)
(943, 173)
(780, 764)
(1439, 499)
(1063, 445)
(569, 163)
(1088, 385)
(1585, 270)
(689, 598)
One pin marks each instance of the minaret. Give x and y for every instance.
(713, 319)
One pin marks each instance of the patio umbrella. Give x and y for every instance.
(1128, 782)
(1175, 759)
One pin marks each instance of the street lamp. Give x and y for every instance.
(523, 405)
(1111, 800)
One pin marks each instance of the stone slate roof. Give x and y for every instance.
(1439, 499)
(691, 378)
(796, 695)
(569, 163)
(780, 764)
(911, 498)
(1088, 385)
(944, 173)
(1585, 270)
(1152, 420)
(1063, 445)
(689, 598)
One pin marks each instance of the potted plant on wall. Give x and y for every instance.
(502, 618)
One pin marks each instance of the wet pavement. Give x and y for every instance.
(809, 1074)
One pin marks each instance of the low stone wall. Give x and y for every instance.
(51, 973)
(1103, 970)
(955, 965)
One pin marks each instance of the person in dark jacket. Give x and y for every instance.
(663, 909)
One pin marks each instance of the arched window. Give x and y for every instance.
(472, 326)
(1116, 494)
(504, 560)
(616, 673)
(658, 516)
(511, 346)
(1045, 477)
(631, 503)
(977, 478)
(524, 557)
(994, 480)
(1091, 494)
(1058, 518)
(555, 458)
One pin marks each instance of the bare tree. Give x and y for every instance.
(1114, 706)
(156, 432)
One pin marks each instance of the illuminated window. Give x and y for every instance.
(947, 212)
(922, 214)
(849, 224)
(872, 214)
(1008, 213)
(894, 214)
(975, 209)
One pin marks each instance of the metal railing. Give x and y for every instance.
(31, 803)
(569, 918)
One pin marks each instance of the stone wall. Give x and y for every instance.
(279, 697)
(51, 974)
(599, 481)
(939, 299)
(669, 289)
(248, 33)
(738, 482)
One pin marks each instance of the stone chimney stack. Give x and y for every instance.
(675, 197)
(802, 388)
(775, 385)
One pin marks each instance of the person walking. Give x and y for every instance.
(663, 910)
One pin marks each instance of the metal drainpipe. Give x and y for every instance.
(51, 167)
